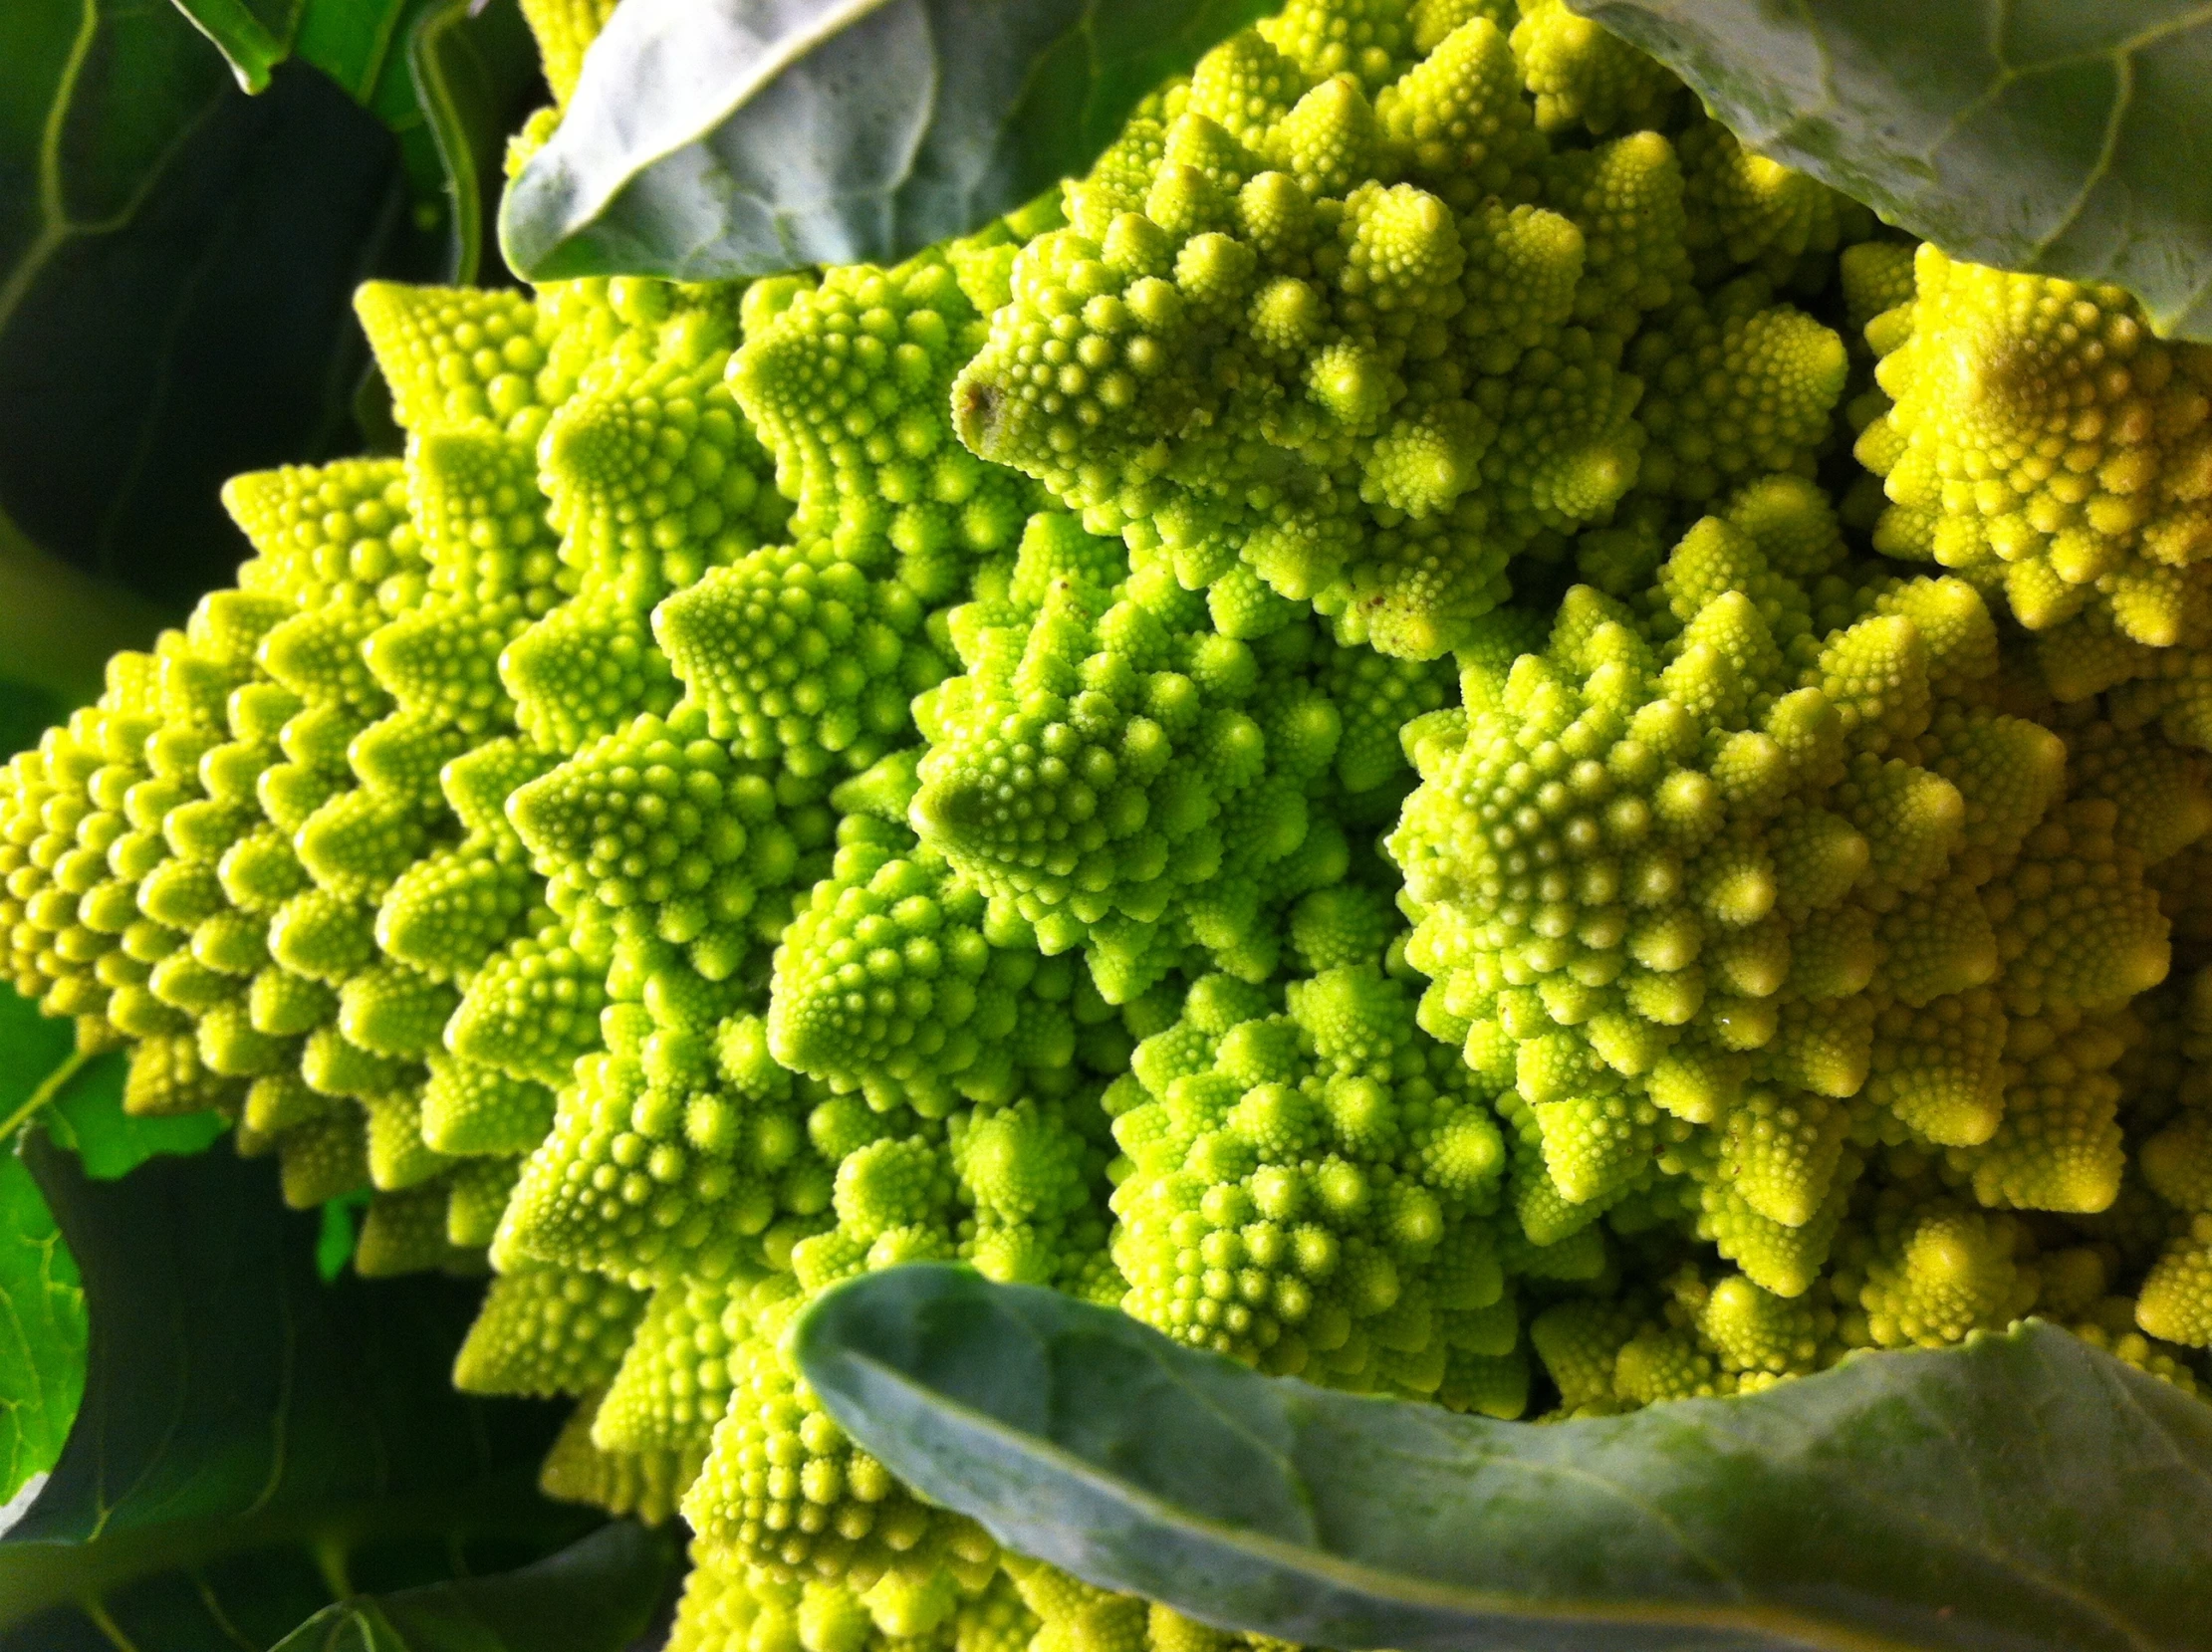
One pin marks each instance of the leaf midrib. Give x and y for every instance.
(1759, 1619)
(834, 21)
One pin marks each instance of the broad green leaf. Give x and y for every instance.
(42, 1330)
(177, 263)
(2055, 137)
(361, 45)
(2026, 1492)
(254, 1444)
(596, 1595)
(710, 138)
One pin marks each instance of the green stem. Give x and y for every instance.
(49, 1087)
(36, 1575)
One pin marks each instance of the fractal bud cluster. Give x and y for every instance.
(1437, 731)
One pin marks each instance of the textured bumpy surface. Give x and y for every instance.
(1339, 737)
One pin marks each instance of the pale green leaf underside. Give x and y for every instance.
(713, 138)
(2064, 136)
(2027, 1492)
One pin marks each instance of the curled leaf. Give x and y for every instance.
(2026, 1492)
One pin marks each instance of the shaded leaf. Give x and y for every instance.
(2026, 1492)
(596, 1595)
(174, 298)
(254, 1444)
(711, 139)
(363, 45)
(449, 78)
(2043, 138)
(334, 1238)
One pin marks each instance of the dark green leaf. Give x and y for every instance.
(254, 1444)
(594, 1597)
(42, 1330)
(2055, 137)
(2023, 1494)
(174, 297)
(710, 138)
(449, 78)
(363, 46)
(474, 74)
(360, 44)
(357, 43)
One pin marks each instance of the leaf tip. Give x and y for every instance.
(528, 239)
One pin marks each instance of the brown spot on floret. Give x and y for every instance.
(977, 407)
